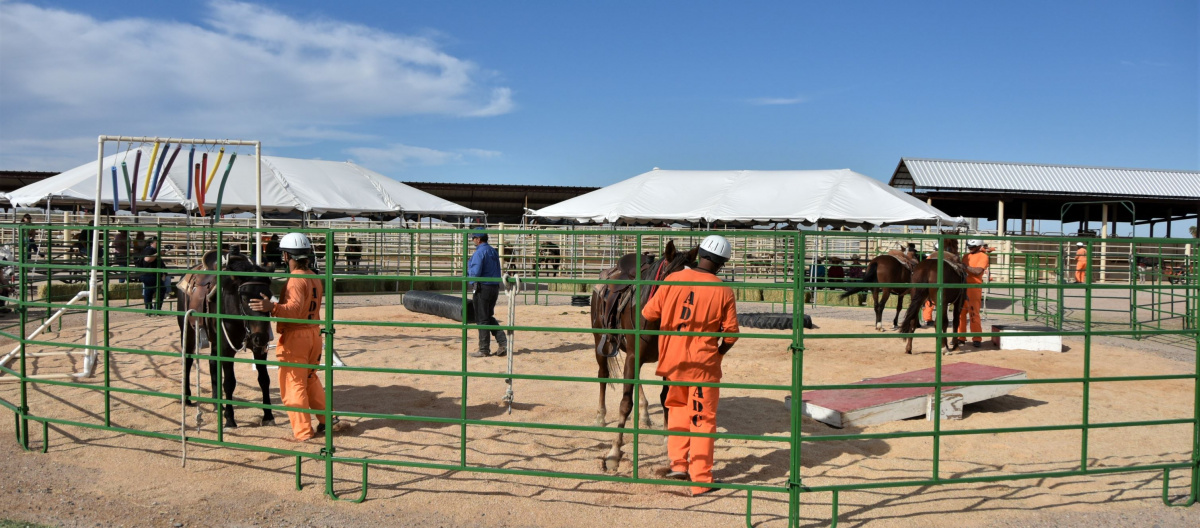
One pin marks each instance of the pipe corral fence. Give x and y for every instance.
(1136, 288)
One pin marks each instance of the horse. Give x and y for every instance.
(198, 292)
(926, 272)
(550, 256)
(884, 269)
(612, 308)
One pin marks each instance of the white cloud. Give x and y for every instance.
(766, 101)
(398, 156)
(245, 71)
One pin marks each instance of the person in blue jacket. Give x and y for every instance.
(485, 262)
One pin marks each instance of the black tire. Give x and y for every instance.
(437, 304)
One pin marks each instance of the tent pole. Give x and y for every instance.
(89, 340)
(257, 202)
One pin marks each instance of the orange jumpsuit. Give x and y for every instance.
(974, 302)
(300, 343)
(927, 309)
(692, 358)
(1081, 265)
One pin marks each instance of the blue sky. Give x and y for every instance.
(568, 93)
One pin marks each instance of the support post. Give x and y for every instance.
(1001, 225)
(258, 245)
(1104, 245)
(1024, 217)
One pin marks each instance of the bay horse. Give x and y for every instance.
(199, 293)
(885, 269)
(613, 308)
(926, 272)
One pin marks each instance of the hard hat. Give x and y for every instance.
(1080, 244)
(716, 248)
(974, 242)
(296, 244)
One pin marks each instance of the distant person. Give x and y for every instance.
(976, 263)
(119, 251)
(353, 253)
(855, 270)
(1081, 262)
(272, 253)
(836, 272)
(485, 262)
(694, 358)
(139, 244)
(152, 278)
(30, 236)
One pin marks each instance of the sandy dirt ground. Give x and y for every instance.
(94, 477)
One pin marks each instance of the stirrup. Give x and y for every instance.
(602, 349)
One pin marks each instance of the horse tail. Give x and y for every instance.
(869, 277)
(616, 370)
(913, 313)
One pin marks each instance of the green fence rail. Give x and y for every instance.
(1037, 286)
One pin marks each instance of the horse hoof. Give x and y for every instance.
(610, 464)
(266, 422)
(189, 403)
(598, 422)
(230, 424)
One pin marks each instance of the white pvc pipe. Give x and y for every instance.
(13, 354)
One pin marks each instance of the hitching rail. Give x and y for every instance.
(1186, 291)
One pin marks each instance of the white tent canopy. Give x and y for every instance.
(821, 197)
(289, 185)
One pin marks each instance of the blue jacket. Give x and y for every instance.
(485, 262)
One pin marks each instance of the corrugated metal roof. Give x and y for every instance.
(1051, 179)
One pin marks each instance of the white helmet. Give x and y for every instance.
(717, 248)
(1080, 244)
(974, 242)
(935, 246)
(296, 244)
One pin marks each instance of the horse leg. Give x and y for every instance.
(662, 402)
(612, 459)
(602, 373)
(908, 346)
(899, 307)
(228, 381)
(264, 383)
(879, 304)
(645, 406)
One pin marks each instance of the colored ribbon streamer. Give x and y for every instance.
(163, 177)
(225, 178)
(116, 191)
(199, 190)
(137, 162)
(149, 170)
(191, 161)
(128, 186)
(217, 165)
(158, 170)
(200, 182)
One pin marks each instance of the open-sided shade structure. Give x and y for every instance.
(289, 185)
(808, 197)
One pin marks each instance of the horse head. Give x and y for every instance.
(674, 260)
(243, 289)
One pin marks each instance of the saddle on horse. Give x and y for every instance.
(614, 299)
(903, 258)
(954, 262)
(198, 289)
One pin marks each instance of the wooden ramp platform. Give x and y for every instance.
(862, 407)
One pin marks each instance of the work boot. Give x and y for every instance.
(502, 342)
(481, 353)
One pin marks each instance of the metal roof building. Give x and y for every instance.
(1025, 191)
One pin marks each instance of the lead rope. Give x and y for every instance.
(510, 347)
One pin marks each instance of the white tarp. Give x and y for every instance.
(824, 197)
(288, 184)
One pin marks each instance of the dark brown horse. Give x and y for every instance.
(927, 273)
(200, 293)
(613, 308)
(886, 269)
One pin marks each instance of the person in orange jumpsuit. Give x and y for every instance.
(977, 263)
(694, 358)
(927, 309)
(298, 342)
(1081, 261)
